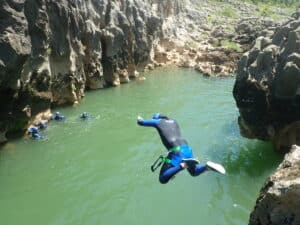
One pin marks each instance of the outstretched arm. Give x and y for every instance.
(147, 123)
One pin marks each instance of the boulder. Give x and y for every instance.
(267, 88)
(278, 201)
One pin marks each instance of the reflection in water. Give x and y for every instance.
(241, 155)
(246, 167)
(247, 163)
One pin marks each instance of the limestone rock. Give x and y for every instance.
(267, 88)
(278, 202)
(51, 51)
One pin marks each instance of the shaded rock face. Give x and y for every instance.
(278, 202)
(267, 87)
(51, 51)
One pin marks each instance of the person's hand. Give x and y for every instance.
(139, 118)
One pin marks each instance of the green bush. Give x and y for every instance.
(203, 36)
(191, 44)
(229, 12)
(231, 45)
(281, 2)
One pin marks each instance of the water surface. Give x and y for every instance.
(98, 171)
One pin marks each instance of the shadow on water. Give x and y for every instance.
(242, 155)
(248, 163)
(252, 158)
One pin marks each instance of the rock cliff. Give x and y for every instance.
(278, 202)
(267, 87)
(267, 93)
(51, 51)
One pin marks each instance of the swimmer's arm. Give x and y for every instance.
(147, 123)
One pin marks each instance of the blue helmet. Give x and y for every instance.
(156, 116)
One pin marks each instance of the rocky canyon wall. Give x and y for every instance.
(267, 87)
(278, 202)
(51, 51)
(267, 93)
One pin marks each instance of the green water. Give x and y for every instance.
(98, 171)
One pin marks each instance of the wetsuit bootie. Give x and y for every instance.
(190, 162)
(215, 167)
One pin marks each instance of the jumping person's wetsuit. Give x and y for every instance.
(178, 148)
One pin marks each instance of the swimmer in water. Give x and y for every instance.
(33, 131)
(58, 116)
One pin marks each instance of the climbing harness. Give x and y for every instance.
(158, 162)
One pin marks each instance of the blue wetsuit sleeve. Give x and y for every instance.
(148, 123)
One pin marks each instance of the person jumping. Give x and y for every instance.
(180, 155)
